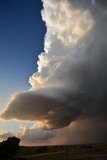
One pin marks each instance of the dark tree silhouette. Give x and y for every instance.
(9, 147)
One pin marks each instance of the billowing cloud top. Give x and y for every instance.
(70, 83)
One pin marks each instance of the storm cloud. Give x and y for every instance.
(71, 82)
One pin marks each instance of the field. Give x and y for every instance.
(64, 152)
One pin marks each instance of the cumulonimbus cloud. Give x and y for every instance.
(70, 83)
(37, 134)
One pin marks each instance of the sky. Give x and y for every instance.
(54, 71)
(21, 40)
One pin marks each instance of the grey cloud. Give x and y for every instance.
(35, 106)
(81, 3)
(96, 7)
(35, 135)
(102, 3)
(31, 136)
(83, 131)
(6, 135)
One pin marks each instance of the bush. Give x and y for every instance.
(9, 147)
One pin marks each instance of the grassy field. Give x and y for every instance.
(64, 152)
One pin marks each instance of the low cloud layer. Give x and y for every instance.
(70, 84)
(83, 131)
(35, 135)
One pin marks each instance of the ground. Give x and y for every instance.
(64, 152)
